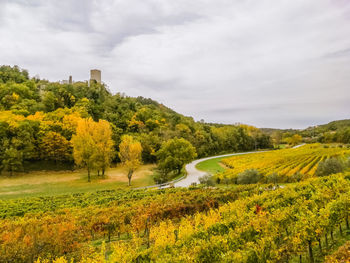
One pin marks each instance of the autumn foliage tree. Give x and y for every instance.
(294, 140)
(84, 146)
(93, 145)
(55, 147)
(130, 154)
(104, 153)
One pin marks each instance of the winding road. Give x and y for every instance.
(193, 174)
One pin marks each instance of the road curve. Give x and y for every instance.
(193, 174)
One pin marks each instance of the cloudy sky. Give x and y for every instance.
(269, 63)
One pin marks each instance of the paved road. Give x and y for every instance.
(193, 174)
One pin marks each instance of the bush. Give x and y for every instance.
(226, 180)
(272, 178)
(160, 177)
(347, 163)
(297, 177)
(207, 180)
(329, 166)
(250, 176)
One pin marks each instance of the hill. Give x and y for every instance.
(332, 132)
(33, 112)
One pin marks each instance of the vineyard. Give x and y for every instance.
(72, 224)
(286, 162)
(298, 223)
(307, 221)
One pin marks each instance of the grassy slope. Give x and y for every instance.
(66, 182)
(211, 166)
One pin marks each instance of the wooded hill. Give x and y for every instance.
(332, 132)
(38, 119)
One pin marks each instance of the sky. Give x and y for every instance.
(268, 63)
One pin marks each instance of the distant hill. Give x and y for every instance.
(270, 131)
(331, 126)
(334, 131)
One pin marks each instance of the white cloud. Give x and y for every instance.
(269, 63)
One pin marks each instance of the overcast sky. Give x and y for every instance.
(269, 63)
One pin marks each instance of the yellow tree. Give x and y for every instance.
(130, 154)
(84, 145)
(102, 136)
(55, 147)
(295, 139)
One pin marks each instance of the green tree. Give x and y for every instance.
(250, 176)
(329, 166)
(12, 160)
(174, 154)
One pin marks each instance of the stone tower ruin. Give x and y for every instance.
(95, 74)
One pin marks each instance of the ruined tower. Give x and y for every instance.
(95, 74)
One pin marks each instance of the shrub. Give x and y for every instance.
(347, 163)
(341, 255)
(160, 177)
(207, 180)
(272, 178)
(250, 176)
(297, 177)
(329, 166)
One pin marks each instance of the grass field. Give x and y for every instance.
(213, 166)
(46, 183)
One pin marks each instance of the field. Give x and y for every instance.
(286, 162)
(213, 166)
(69, 220)
(240, 224)
(75, 225)
(45, 183)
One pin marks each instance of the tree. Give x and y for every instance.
(84, 146)
(294, 140)
(207, 180)
(250, 176)
(272, 178)
(12, 160)
(277, 138)
(329, 166)
(50, 101)
(130, 154)
(55, 147)
(104, 145)
(173, 154)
